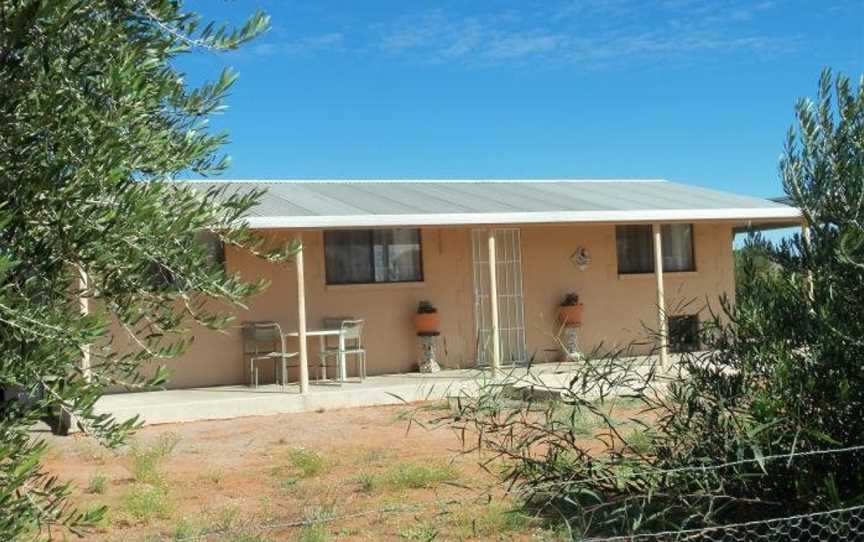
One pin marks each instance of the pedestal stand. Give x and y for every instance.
(428, 362)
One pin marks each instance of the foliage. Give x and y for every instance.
(570, 300)
(753, 263)
(426, 307)
(95, 119)
(711, 439)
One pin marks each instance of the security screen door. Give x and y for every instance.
(511, 311)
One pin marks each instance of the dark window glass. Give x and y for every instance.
(372, 256)
(683, 333)
(635, 248)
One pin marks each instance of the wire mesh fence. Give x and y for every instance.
(839, 525)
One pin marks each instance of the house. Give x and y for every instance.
(374, 249)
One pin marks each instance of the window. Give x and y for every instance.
(161, 277)
(372, 256)
(636, 248)
(683, 333)
(214, 246)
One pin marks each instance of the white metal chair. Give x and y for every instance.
(265, 342)
(352, 345)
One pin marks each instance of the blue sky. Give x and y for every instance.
(699, 91)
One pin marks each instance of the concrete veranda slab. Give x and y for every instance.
(224, 402)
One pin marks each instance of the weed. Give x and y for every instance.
(308, 462)
(373, 456)
(577, 419)
(215, 475)
(146, 460)
(90, 451)
(425, 531)
(288, 485)
(493, 519)
(145, 502)
(641, 441)
(97, 484)
(313, 518)
(314, 533)
(320, 513)
(368, 482)
(186, 529)
(415, 476)
(243, 537)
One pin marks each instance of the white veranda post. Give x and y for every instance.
(662, 323)
(493, 304)
(301, 317)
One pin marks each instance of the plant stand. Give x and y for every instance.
(428, 363)
(570, 343)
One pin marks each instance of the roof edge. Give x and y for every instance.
(569, 217)
(416, 181)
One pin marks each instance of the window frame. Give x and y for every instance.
(693, 268)
(327, 278)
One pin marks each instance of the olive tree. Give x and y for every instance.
(95, 121)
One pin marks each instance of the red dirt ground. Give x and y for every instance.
(239, 473)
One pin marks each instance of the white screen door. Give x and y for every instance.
(511, 311)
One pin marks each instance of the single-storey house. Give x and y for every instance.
(372, 250)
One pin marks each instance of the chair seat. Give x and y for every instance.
(276, 355)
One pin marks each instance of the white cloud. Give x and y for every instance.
(333, 41)
(586, 31)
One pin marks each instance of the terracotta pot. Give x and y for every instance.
(427, 322)
(570, 315)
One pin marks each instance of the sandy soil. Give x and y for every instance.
(239, 474)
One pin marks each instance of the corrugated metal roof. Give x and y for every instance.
(347, 203)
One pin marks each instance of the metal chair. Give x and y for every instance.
(352, 345)
(263, 342)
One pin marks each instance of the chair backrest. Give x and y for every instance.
(353, 330)
(264, 333)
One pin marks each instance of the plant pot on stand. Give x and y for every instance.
(427, 323)
(570, 317)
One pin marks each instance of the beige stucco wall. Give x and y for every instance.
(615, 307)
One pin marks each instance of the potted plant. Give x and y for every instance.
(570, 311)
(427, 319)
